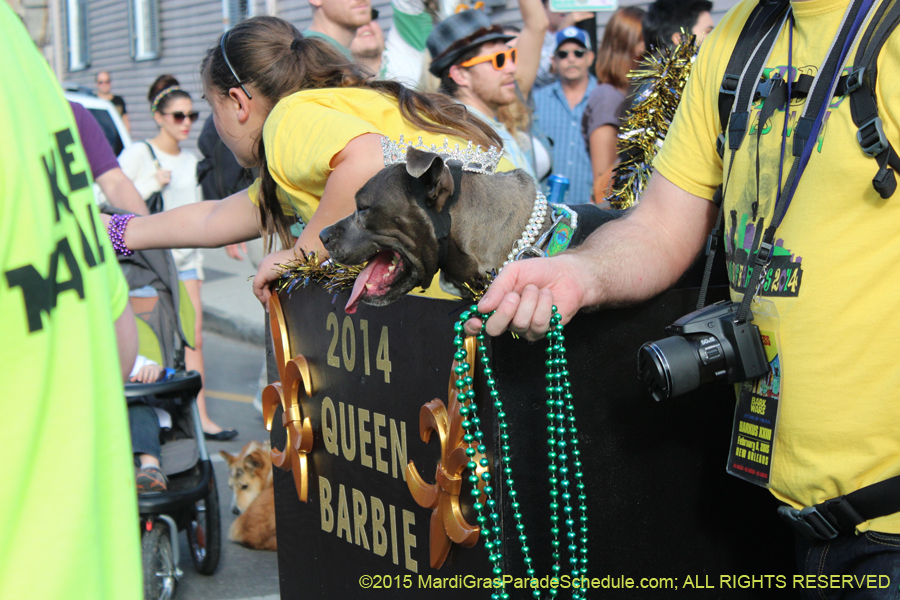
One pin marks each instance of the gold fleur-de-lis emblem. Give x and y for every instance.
(294, 383)
(448, 525)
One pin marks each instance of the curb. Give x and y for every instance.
(241, 329)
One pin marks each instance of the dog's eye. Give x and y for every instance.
(245, 486)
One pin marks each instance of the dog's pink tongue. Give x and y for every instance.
(361, 280)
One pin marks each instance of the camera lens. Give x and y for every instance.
(675, 365)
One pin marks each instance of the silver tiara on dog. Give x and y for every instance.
(473, 158)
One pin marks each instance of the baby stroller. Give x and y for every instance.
(190, 502)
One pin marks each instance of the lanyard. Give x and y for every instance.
(805, 132)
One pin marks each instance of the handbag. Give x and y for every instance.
(155, 201)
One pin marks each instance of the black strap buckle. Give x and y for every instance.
(729, 84)
(712, 242)
(871, 137)
(809, 522)
(765, 252)
(854, 80)
(765, 87)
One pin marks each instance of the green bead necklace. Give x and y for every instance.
(566, 477)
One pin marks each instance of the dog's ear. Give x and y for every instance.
(430, 170)
(229, 458)
(253, 460)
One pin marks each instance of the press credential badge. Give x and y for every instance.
(756, 411)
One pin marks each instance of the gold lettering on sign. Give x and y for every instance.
(294, 380)
(327, 512)
(447, 522)
(343, 519)
(379, 536)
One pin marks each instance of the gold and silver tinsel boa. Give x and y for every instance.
(660, 78)
(335, 277)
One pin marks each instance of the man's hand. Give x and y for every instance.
(525, 292)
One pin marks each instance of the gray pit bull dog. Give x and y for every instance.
(415, 218)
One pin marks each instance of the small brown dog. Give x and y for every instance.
(250, 478)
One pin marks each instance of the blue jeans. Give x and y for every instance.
(144, 425)
(837, 569)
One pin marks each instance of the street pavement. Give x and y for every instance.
(233, 327)
(229, 306)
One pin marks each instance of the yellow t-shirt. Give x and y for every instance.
(68, 509)
(835, 267)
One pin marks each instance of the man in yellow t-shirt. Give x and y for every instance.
(68, 510)
(836, 261)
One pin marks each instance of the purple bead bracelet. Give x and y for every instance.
(116, 230)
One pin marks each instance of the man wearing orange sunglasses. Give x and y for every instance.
(476, 67)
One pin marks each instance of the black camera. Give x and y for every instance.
(706, 345)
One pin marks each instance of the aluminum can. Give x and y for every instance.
(558, 187)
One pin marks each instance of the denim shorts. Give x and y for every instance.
(188, 275)
(148, 291)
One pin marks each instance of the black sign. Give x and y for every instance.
(663, 514)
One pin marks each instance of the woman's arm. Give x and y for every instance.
(534, 26)
(209, 224)
(353, 166)
(603, 157)
(121, 193)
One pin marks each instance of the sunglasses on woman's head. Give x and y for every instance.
(179, 116)
(498, 58)
(563, 54)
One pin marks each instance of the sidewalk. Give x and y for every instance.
(229, 306)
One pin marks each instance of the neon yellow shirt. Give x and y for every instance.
(68, 508)
(835, 269)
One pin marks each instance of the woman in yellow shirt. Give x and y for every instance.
(313, 123)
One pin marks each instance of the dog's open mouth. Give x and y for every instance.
(377, 278)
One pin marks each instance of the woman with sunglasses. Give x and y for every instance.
(620, 50)
(313, 123)
(160, 164)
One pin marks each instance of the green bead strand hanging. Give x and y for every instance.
(563, 454)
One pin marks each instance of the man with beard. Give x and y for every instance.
(475, 66)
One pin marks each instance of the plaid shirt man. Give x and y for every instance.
(562, 124)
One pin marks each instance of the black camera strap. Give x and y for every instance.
(757, 38)
(805, 135)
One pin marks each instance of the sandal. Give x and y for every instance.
(150, 479)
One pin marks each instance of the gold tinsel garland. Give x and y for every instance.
(307, 269)
(335, 277)
(661, 78)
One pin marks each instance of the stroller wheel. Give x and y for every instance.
(204, 532)
(159, 564)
